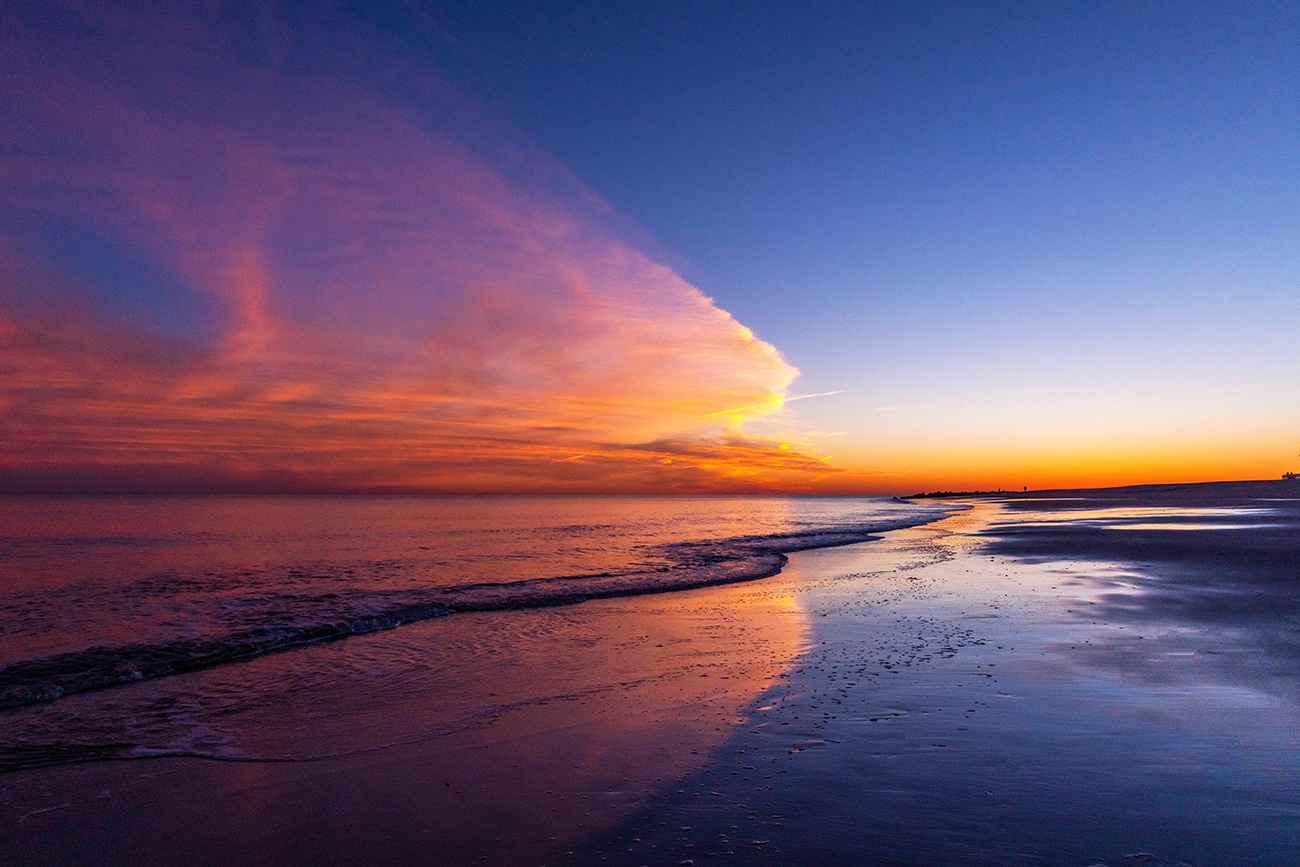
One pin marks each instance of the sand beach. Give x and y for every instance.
(1090, 678)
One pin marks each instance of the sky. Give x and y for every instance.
(647, 247)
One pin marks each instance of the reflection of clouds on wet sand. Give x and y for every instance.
(504, 736)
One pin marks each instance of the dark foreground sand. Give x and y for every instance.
(1089, 678)
(1059, 682)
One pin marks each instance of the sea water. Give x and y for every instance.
(102, 598)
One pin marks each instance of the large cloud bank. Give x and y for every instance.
(224, 266)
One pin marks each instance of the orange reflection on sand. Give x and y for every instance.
(560, 731)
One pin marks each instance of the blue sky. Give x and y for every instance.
(1039, 243)
(1051, 206)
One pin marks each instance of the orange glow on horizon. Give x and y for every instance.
(983, 466)
(222, 271)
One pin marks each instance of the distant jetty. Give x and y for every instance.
(941, 494)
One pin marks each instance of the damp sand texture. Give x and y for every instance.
(1028, 682)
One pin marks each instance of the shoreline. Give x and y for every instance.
(503, 737)
(993, 706)
(701, 564)
(923, 699)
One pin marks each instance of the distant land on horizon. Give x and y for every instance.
(153, 483)
(1176, 492)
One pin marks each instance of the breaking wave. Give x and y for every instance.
(280, 621)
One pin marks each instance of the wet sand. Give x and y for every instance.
(501, 737)
(1037, 681)
(1025, 684)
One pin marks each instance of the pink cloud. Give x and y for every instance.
(395, 310)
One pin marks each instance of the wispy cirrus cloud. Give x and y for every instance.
(223, 268)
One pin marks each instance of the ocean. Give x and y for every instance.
(131, 623)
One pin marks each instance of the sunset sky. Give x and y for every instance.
(681, 247)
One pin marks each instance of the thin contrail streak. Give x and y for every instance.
(818, 394)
